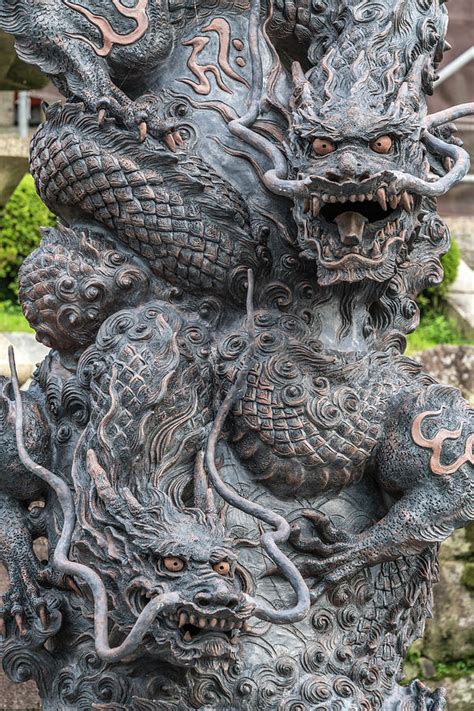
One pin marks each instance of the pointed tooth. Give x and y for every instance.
(394, 200)
(353, 197)
(382, 198)
(169, 141)
(183, 618)
(187, 636)
(315, 205)
(222, 624)
(406, 202)
(101, 117)
(192, 619)
(369, 196)
(327, 251)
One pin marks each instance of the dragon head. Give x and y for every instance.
(359, 153)
(163, 549)
(353, 218)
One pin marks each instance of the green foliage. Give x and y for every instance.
(20, 223)
(12, 319)
(435, 328)
(433, 298)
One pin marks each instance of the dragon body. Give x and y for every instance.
(188, 450)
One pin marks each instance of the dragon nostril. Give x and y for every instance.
(333, 177)
(202, 599)
(232, 601)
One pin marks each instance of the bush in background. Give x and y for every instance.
(20, 222)
(433, 298)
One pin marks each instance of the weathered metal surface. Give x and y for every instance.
(242, 480)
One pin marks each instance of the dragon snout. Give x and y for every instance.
(220, 598)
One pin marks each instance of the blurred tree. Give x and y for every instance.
(15, 74)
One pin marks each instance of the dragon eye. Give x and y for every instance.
(323, 146)
(223, 567)
(382, 144)
(173, 564)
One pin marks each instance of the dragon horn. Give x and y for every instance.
(301, 84)
(200, 483)
(102, 484)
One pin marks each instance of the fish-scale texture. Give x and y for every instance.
(141, 209)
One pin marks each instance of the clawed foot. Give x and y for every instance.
(140, 115)
(23, 603)
(332, 555)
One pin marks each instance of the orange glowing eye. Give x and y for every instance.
(173, 564)
(323, 146)
(223, 567)
(382, 144)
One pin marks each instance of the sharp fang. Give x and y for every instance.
(183, 618)
(370, 196)
(382, 198)
(222, 624)
(353, 198)
(316, 205)
(187, 636)
(169, 141)
(406, 201)
(394, 200)
(213, 622)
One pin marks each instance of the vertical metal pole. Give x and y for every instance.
(24, 105)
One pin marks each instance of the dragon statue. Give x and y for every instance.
(241, 480)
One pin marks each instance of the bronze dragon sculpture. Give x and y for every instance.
(242, 480)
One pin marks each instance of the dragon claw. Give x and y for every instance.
(101, 116)
(142, 130)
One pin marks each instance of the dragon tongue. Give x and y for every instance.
(351, 227)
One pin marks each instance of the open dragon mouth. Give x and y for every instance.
(192, 626)
(370, 211)
(354, 230)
